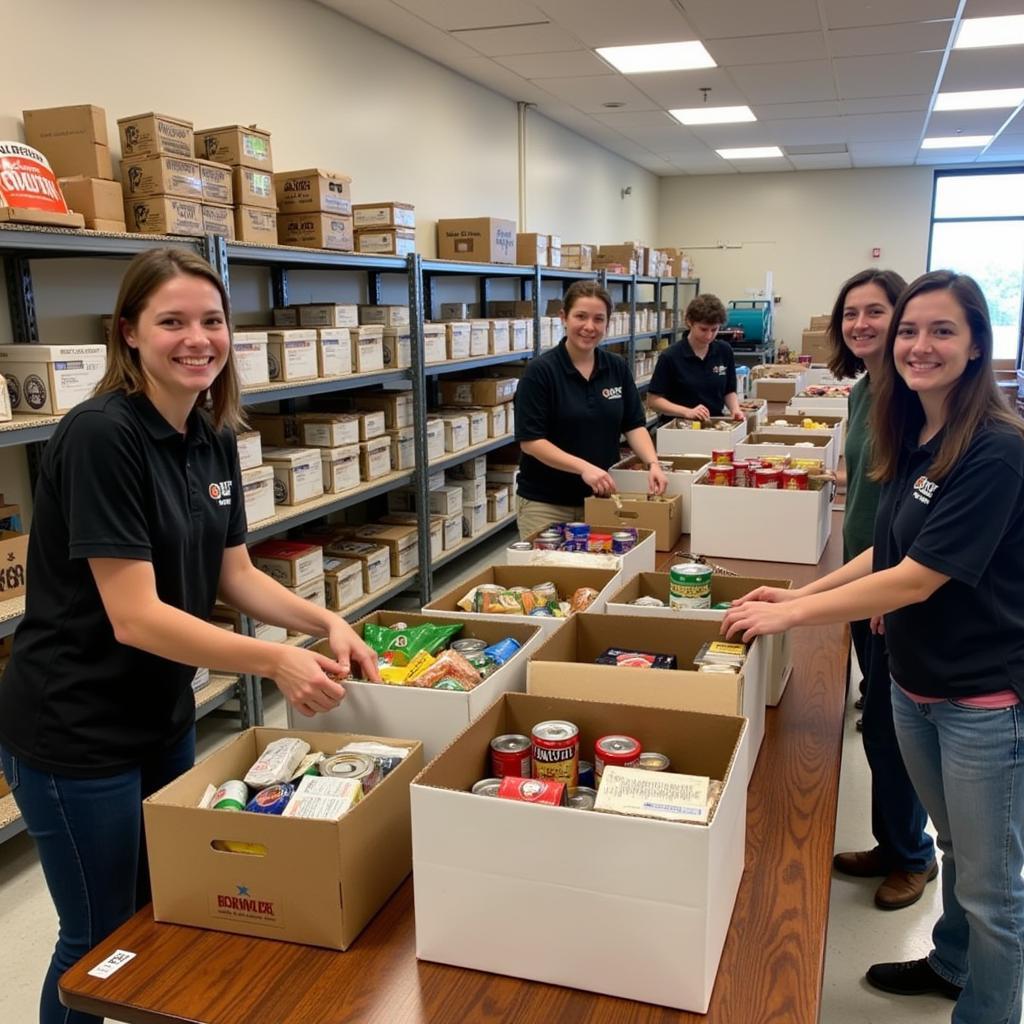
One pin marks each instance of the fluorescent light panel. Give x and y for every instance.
(713, 115)
(957, 142)
(980, 99)
(636, 60)
(1007, 30)
(750, 153)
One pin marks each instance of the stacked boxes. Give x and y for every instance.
(385, 228)
(315, 209)
(477, 240)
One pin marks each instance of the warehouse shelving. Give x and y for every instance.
(476, 362)
(11, 612)
(469, 542)
(27, 428)
(450, 459)
(280, 392)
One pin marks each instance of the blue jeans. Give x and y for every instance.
(92, 849)
(968, 767)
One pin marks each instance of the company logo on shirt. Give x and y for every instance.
(924, 490)
(221, 493)
(612, 393)
(719, 369)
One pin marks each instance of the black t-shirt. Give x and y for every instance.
(117, 481)
(967, 639)
(684, 379)
(582, 417)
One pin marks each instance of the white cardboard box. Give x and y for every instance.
(258, 492)
(667, 889)
(334, 352)
(474, 518)
(457, 339)
(767, 442)
(678, 437)
(681, 470)
(835, 427)
(397, 348)
(51, 378)
(298, 475)
(811, 405)
(433, 716)
(764, 525)
(435, 347)
(367, 349)
(640, 558)
(250, 449)
(340, 467)
(251, 362)
(292, 355)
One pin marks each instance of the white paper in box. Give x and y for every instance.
(640, 558)
(671, 440)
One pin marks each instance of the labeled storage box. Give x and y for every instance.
(161, 175)
(250, 449)
(679, 437)
(401, 542)
(384, 215)
(298, 475)
(258, 492)
(315, 230)
(251, 359)
(367, 349)
(329, 429)
(237, 145)
(334, 352)
(646, 904)
(681, 470)
(434, 716)
(153, 134)
(13, 564)
(164, 215)
(640, 558)
(340, 468)
(374, 559)
(51, 379)
(314, 882)
(253, 187)
(767, 442)
(375, 458)
(483, 391)
(313, 190)
(396, 346)
(662, 515)
(292, 563)
(343, 582)
(386, 241)
(255, 224)
(292, 355)
(477, 240)
(328, 314)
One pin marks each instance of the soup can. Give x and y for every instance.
(615, 751)
(768, 477)
(486, 787)
(583, 799)
(556, 752)
(689, 585)
(652, 761)
(623, 541)
(794, 479)
(721, 474)
(722, 456)
(510, 755)
(533, 791)
(741, 470)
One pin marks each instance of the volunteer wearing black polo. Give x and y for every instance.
(138, 525)
(572, 406)
(695, 378)
(947, 573)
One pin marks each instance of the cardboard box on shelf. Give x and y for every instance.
(375, 458)
(477, 240)
(334, 351)
(73, 139)
(315, 230)
(497, 504)
(219, 220)
(435, 347)
(13, 564)
(401, 542)
(216, 180)
(499, 340)
(367, 349)
(456, 433)
(396, 345)
(384, 316)
(164, 215)
(372, 423)
(254, 224)
(250, 449)
(224, 614)
(149, 175)
(258, 493)
(483, 391)
(435, 439)
(640, 558)
(328, 314)
(474, 518)
(396, 406)
(313, 190)
(681, 471)
(678, 437)
(403, 448)
(767, 442)
(155, 135)
(532, 248)
(280, 430)
(470, 871)
(577, 256)
(471, 469)
(290, 562)
(386, 241)
(329, 429)
(236, 145)
(343, 582)
(285, 316)
(298, 476)
(662, 515)
(479, 337)
(292, 354)
(456, 339)
(411, 519)
(383, 215)
(375, 560)
(110, 226)
(317, 882)
(445, 500)
(251, 361)
(459, 310)
(94, 198)
(820, 322)
(452, 530)
(51, 379)
(253, 187)
(340, 468)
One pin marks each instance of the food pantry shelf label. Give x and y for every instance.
(653, 794)
(112, 964)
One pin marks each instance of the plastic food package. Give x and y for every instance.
(277, 763)
(625, 658)
(582, 599)
(397, 646)
(449, 665)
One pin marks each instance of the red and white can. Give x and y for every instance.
(741, 468)
(533, 791)
(617, 752)
(556, 752)
(510, 755)
(768, 478)
(722, 456)
(721, 475)
(794, 479)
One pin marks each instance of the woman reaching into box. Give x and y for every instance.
(946, 576)
(139, 524)
(572, 405)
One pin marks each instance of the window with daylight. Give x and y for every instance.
(978, 229)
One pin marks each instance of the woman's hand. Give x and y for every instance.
(656, 479)
(351, 652)
(301, 676)
(698, 412)
(739, 416)
(599, 481)
(757, 618)
(769, 595)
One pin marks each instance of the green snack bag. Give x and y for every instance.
(397, 646)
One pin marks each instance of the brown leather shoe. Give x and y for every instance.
(864, 864)
(904, 888)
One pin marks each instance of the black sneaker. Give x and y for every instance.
(859, 703)
(911, 978)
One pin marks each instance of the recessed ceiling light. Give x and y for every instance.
(636, 60)
(713, 115)
(979, 99)
(1007, 30)
(957, 142)
(750, 153)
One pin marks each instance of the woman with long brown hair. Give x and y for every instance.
(138, 526)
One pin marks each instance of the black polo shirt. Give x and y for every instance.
(117, 481)
(582, 417)
(684, 379)
(966, 639)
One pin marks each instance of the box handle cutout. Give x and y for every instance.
(234, 846)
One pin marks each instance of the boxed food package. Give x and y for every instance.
(384, 215)
(51, 379)
(340, 468)
(496, 421)
(681, 471)
(216, 180)
(315, 230)
(435, 349)
(219, 220)
(251, 360)
(258, 492)
(532, 248)
(316, 882)
(452, 527)
(149, 175)
(329, 429)
(401, 542)
(292, 354)
(386, 241)
(285, 316)
(298, 476)
(236, 145)
(253, 187)
(661, 514)
(375, 458)
(164, 215)
(334, 351)
(255, 224)
(384, 316)
(396, 406)
(367, 349)
(74, 139)
(483, 391)
(477, 240)
(375, 560)
(94, 198)
(397, 347)
(457, 339)
(250, 449)
(155, 135)
(328, 314)
(682, 437)
(313, 190)
(343, 582)
(290, 562)
(498, 338)
(403, 448)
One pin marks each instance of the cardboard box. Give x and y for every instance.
(566, 579)
(318, 882)
(477, 240)
(471, 469)
(532, 248)
(328, 314)
(457, 339)
(224, 614)
(374, 559)
(290, 562)
(250, 449)
(434, 716)
(367, 349)
(396, 406)
(51, 379)
(375, 458)
(340, 468)
(236, 145)
(74, 157)
(334, 352)
(372, 423)
(459, 310)
(640, 558)
(313, 190)
(163, 215)
(435, 439)
(285, 316)
(767, 442)
(401, 542)
(111, 226)
(94, 198)
(253, 224)
(217, 187)
(474, 518)
(671, 885)
(681, 471)
(146, 176)
(497, 504)
(760, 524)
(403, 448)
(777, 389)
(791, 424)
(276, 428)
(397, 347)
(564, 666)
(435, 346)
(499, 340)
(251, 361)
(386, 241)
(577, 256)
(813, 405)
(479, 337)
(343, 582)
(384, 316)
(84, 122)
(329, 429)
(816, 344)
(155, 135)
(776, 651)
(445, 500)
(383, 215)
(258, 492)
(219, 220)
(485, 391)
(253, 187)
(298, 476)
(411, 519)
(315, 231)
(456, 433)
(13, 564)
(292, 355)
(662, 515)
(677, 437)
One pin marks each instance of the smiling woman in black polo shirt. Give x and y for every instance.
(572, 406)
(138, 525)
(947, 574)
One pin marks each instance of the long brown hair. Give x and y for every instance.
(842, 362)
(974, 401)
(147, 272)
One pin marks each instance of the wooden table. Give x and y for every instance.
(771, 968)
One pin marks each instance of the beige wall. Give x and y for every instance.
(812, 229)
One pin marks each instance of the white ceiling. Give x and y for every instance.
(835, 83)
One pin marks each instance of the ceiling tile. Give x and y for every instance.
(696, 163)
(891, 75)
(785, 111)
(946, 156)
(773, 49)
(501, 80)
(991, 8)
(671, 89)
(908, 38)
(883, 154)
(500, 42)
(885, 104)
(714, 19)
(786, 83)
(857, 13)
(590, 92)
(967, 122)
(883, 127)
(1001, 67)
(730, 136)
(1016, 126)
(761, 166)
(456, 14)
(614, 23)
(806, 130)
(654, 129)
(821, 161)
(555, 65)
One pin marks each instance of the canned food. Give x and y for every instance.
(353, 766)
(583, 799)
(623, 541)
(502, 651)
(768, 478)
(547, 544)
(741, 468)
(510, 755)
(648, 602)
(615, 751)
(586, 774)
(775, 461)
(794, 479)
(533, 791)
(689, 585)
(576, 531)
(468, 646)
(232, 795)
(721, 475)
(272, 800)
(520, 545)
(556, 752)
(450, 684)
(722, 456)
(652, 761)
(486, 787)
(600, 543)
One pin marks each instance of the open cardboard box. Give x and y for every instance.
(317, 882)
(565, 578)
(431, 716)
(639, 558)
(563, 666)
(761, 524)
(629, 475)
(777, 389)
(756, 411)
(678, 437)
(811, 405)
(835, 427)
(13, 564)
(767, 442)
(630, 907)
(776, 654)
(662, 515)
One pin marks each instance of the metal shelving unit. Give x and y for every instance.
(469, 542)
(456, 458)
(11, 612)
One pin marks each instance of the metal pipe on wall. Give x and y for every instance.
(521, 109)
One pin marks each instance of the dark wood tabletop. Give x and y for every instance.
(771, 968)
